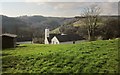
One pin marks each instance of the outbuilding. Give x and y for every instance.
(8, 40)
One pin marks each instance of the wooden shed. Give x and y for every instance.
(8, 41)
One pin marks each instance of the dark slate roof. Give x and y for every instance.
(65, 38)
(9, 35)
(51, 36)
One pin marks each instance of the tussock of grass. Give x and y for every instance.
(87, 57)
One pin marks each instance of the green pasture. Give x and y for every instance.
(87, 57)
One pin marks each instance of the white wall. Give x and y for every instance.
(55, 40)
(46, 41)
(46, 35)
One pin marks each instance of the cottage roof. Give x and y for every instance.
(9, 35)
(65, 38)
(51, 36)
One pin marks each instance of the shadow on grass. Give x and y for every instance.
(9, 62)
(18, 46)
(5, 54)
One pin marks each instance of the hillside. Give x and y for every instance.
(11, 24)
(28, 24)
(55, 30)
(88, 57)
(43, 22)
(37, 23)
(78, 21)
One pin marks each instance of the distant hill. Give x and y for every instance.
(21, 25)
(10, 24)
(43, 22)
(35, 25)
(77, 21)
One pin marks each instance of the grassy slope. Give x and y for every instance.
(96, 57)
(75, 24)
(55, 30)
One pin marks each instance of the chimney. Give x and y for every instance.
(46, 32)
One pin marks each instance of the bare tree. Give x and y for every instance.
(91, 15)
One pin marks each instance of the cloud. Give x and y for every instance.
(64, 9)
(59, 0)
(74, 8)
(68, 5)
(107, 7)
(113, 0)
(71, 0)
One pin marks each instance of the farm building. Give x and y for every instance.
(61, 38)
(8, 40)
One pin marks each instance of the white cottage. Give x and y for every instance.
(61, 38)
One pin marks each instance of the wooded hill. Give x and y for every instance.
(107, 27)
(77, 22)
(33, 26)
(24, 25)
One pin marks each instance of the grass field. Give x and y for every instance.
(87, 57)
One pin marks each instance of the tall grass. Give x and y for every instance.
(87, 57)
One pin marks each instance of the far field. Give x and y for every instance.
(87, 57)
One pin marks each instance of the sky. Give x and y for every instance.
(55, 8)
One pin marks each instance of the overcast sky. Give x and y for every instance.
(57, 8)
